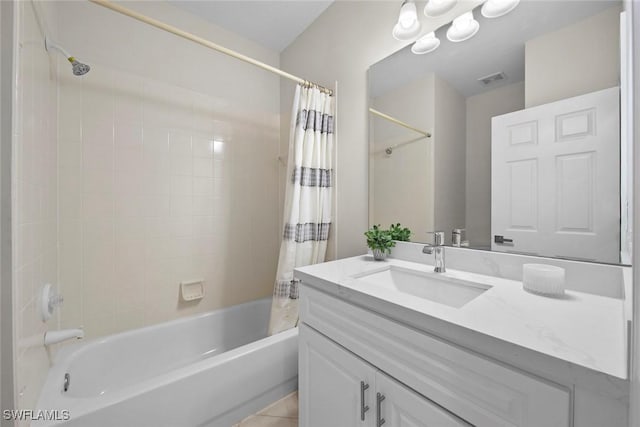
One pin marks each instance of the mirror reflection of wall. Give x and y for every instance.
(421, 183)
(556, 50)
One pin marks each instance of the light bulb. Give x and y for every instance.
(435, 8)
(463, 28)
(408, 14)
(405, 34)
(463, 21)
(408, 26)
(497, 8)
(425, 44)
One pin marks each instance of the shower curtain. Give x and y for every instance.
(308, 199)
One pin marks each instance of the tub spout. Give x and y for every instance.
(54, 337)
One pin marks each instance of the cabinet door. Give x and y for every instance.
(400, 406)
(330, 384)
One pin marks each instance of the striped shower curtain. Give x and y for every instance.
(308, 197)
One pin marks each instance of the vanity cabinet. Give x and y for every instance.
(343, 390)
(424, 380)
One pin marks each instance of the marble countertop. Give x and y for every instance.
(583, 329)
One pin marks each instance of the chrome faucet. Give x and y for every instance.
(437, 249)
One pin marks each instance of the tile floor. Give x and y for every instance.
(283, 413)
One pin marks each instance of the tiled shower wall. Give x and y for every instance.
(34, 199)
(158, 185)
(168, 169)
(150, 170)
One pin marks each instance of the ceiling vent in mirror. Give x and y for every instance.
(492, 78)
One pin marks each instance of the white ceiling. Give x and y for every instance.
(271, 23)
(498, 46)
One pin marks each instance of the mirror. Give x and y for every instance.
(524, 153)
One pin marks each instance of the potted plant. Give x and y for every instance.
(379, 241)
(400, 233)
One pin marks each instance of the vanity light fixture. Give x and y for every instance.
(435, 8)
(425, 44)
(498, 8)
(463, 28)
(408, 26)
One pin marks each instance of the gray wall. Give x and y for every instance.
(449, 138)
(480, 109)
(555, 63)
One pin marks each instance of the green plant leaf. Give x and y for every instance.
(398, 232)
(377, 238)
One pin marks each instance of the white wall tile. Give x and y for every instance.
(156, 140)
(181, 165)
(203, 167)
(157, 205)
(128, 135)
(181, 205)
(179, 144)
(203, 147)
(129, 181)
(35, 184)
(97, 132)
(96, 206)
(203, 205)
(181, 185)
(203, 186)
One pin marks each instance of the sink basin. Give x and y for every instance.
(436, 287)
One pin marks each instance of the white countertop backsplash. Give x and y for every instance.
(588, 327)
(599, 279)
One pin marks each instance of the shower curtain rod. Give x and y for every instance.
(398, 122)
(204, 42)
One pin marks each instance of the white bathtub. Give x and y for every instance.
(207, 370)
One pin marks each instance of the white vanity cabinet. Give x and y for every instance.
(340, 389)
(425, 381)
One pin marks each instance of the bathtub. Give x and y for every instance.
(207, 370)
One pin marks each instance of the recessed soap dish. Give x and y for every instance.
(192, 290)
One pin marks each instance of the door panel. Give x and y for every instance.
(523, 194)
(575, 183)
(555, 183)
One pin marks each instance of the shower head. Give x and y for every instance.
(79, 69)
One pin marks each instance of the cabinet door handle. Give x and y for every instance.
(363, 407)
(379, 420)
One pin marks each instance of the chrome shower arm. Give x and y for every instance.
(49, 44)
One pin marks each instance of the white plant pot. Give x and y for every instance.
(379, 254)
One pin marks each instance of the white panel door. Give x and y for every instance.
(555, 179)
(400, 406)
(331, 383)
